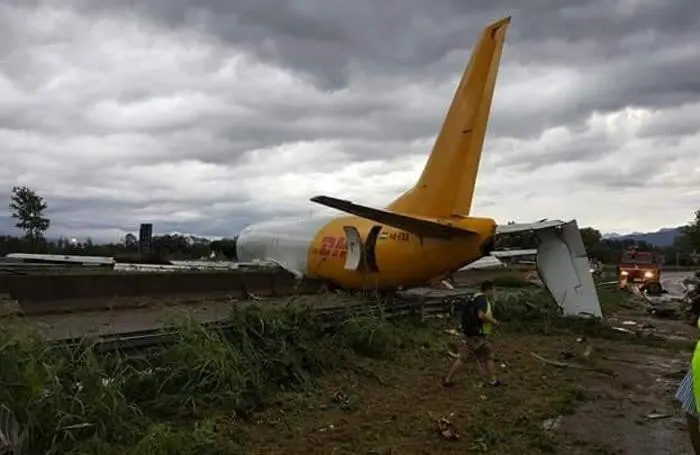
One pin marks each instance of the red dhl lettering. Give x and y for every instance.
(338, 246)
(333, 247)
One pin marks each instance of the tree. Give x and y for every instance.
(691, 233)
(130, 241)
(226, 247)
(28, 209)
(591, 237)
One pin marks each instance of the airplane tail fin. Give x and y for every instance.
(446, 186)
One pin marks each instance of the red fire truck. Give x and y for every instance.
(639, 267)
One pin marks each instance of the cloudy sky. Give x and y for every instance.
(206, 116)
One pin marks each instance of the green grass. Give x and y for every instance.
(535, 312)
(73, 401)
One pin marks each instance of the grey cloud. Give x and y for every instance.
(216, 219)
(617, 54)
(623, 176)
(670, 126)
(378, 79)
(324, 38)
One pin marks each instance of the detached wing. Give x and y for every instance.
(563, 265)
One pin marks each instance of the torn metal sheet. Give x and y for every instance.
(485, 262)
(563, 265)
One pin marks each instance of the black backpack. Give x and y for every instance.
(471, 324)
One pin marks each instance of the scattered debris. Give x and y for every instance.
(572, 365)
(342, 399)
(446, 429)
(78, 426)
(447, 284)
(551, 424)
(533, 307)
(629, 323)
(658, 416)
(328, 428)
(453, 332)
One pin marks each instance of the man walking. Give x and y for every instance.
(477, 324)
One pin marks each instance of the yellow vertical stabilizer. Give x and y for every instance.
(446, 186)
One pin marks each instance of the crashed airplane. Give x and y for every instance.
(427, 232)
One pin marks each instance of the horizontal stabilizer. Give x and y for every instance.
(415, 225)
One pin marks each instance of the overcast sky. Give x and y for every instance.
(206, 116)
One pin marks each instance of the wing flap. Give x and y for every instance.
(415, 225)
(513, 253)
(527, 227)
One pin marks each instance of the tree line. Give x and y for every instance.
(608, 251)
(28, 210)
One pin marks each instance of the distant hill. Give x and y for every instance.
(661, 238)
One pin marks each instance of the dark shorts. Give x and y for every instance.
(478, 347)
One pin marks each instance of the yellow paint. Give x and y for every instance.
(443, 193)
(446, 186)
(401, 264)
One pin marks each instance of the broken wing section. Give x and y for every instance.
(563, 265)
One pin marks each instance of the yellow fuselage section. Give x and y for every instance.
(401, 259)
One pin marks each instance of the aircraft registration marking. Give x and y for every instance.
(399, 236)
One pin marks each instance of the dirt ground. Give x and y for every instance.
(392, 407)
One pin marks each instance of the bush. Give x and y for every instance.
(71, 400)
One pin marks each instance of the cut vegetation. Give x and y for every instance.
(279, 383)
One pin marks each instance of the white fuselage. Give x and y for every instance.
(284, 241)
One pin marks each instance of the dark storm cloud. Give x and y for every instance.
(626, 54)
(322, 38)
(622, 54)
(118, 141)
